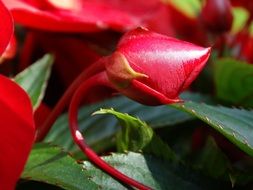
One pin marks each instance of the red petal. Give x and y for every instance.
(6, 27)
(17, 132)
(88, 16)
(41, 114)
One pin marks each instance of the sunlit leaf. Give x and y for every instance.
(34, 79)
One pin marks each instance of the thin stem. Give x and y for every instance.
(65, 99)
(97, 80)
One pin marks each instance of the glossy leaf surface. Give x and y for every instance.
(235, 124)
(154, 172)
(50, 165)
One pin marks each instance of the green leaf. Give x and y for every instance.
(151, 171)
(50, 165)
(234, 82)
(34, 79)
(234, 124)
(190, 8)
(240, 17)
(212, 161)
(136, 135)
(98, 130)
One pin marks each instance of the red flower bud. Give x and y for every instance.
(152, 68)
(6, 27)
(217, 15)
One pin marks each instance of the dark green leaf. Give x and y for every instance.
(235, 124)
(134, 135)
(212, 160)
(51, 165)
(34, 79)
(234, 82)
(149, 170)
(99, 128)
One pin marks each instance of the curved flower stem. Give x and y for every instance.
(65, 99)
(99, 79)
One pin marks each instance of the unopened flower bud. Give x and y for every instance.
(152, 68)
(217, 15)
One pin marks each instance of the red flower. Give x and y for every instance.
(17, 129)
(17, 132)
(148, 67)
(71, 16)
(154, 69)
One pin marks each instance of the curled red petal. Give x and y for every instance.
(17, 132)
(10, 50)
(6, 27)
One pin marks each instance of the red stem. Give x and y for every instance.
(65, 99)
(99, 79)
